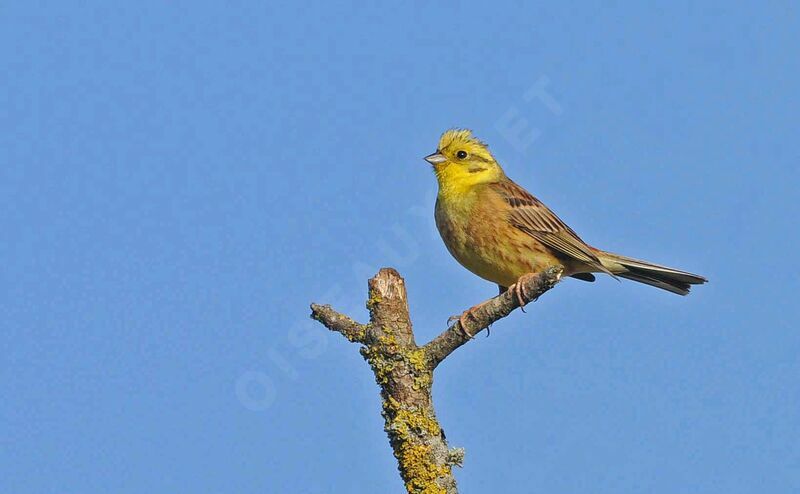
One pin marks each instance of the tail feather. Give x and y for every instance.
(666, 278)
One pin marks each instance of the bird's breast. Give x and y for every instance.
(480, 238)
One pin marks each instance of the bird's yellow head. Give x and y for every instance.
(462, 161)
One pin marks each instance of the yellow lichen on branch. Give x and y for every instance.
(404, 373)
(407, 429)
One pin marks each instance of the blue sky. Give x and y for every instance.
(181, 179)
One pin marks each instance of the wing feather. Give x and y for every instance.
(531, 216)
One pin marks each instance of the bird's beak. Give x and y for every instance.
(435, 158)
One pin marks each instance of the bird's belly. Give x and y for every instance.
(492, 248)
(491, 264)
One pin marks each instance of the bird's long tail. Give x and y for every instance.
(670, 279)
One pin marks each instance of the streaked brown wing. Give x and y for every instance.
(530, 215)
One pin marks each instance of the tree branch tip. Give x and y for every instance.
(336, 321)
(554, 273)
(387, 284)
(322, 313)
(388, 271)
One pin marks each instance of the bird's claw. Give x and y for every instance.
(462, 325)
(462, 321)
(520, 291)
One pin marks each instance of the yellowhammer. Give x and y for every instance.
(500, 232)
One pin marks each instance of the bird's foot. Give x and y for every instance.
(521, 292)
(462, 322)
(463, 317)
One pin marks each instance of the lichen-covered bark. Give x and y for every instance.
(404, 372)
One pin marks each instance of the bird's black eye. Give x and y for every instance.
(461, 155)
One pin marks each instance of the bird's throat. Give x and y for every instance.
(459, 181)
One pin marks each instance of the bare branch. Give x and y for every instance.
(483, 315)
(388, 307)
(404, 371)
(336, 321)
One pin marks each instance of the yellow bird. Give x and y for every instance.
(500, 232)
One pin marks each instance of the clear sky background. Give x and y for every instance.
(179, 180)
